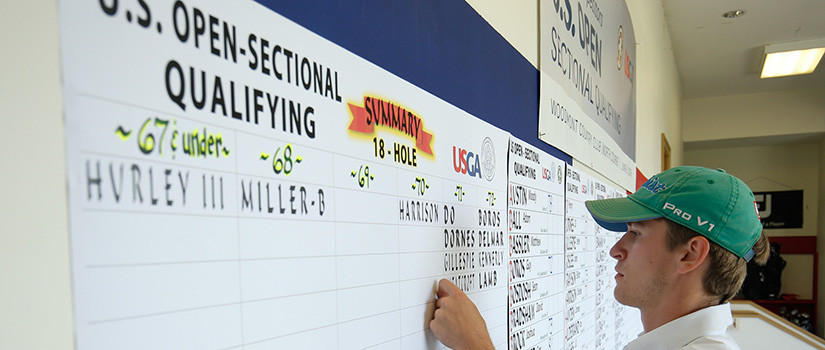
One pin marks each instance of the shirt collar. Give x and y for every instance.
(711, 320)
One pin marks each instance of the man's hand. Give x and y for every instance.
(457, 322)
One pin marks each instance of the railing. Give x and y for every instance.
(747, 309)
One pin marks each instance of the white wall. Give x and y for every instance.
(754, 115)
(516, 20)
(35, 296)
(658, 88)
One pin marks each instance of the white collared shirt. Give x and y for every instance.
(703, 329)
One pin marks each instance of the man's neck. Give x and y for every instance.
(679, 305)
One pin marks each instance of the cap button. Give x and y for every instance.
(720, 170)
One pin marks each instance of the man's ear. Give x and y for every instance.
(694, 253)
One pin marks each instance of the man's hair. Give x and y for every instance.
(727, 271)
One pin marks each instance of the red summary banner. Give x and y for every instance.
(388, 114)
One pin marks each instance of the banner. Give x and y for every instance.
(587, 98)
(780, 209)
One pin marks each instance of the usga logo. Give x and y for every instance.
(476, 165)
(546, 174)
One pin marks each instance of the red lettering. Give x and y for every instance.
(460, 160)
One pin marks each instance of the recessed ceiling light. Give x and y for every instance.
(733, 14)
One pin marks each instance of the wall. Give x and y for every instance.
(754, 115)
(516, 21)
(34, 253)
(658, 89)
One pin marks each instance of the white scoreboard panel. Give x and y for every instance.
(593, 318)
(580, 263)
(536, 238)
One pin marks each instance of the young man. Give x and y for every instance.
(689, 234)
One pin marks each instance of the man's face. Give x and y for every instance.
(645, 265)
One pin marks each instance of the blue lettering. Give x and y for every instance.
(473, 165)
(653, 185)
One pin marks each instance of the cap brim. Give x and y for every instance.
(614, 213)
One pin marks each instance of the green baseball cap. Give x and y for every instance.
(711, 202)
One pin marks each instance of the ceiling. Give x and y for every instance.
(716, 56)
